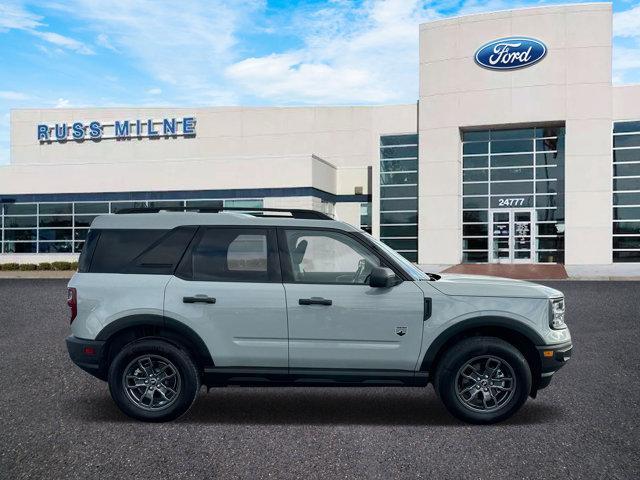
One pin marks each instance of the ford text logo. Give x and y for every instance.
(510, 53)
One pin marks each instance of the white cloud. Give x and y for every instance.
(62, 103)
(351, 54)
(103, 41)
(13, 16)
(154, 91)
(627, 23)
(64, 42)
(11, 95)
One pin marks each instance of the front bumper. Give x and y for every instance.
(88, 355)
(552, 359)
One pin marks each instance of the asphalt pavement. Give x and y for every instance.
(58, 422)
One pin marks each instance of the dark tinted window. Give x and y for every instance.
(163, 257)
(84, 262)
(232, 255)
(117, 248)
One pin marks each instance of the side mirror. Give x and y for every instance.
(382, 277)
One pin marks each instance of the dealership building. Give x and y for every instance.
(518, 150)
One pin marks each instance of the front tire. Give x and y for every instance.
(153, 381)
(483, 380)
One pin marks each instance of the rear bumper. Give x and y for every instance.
(88, 355)
(552, 359)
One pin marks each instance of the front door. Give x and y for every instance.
(511, 236)
(336, 320)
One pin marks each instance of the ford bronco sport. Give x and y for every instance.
(166, 301)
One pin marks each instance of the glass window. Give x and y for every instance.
(80, 233)
(475, 189)
(166, 204)
(398, 178)
(623, 243)
(399, 140)
(119, 206)
(626, 170)
(402, 204)
(475, 202)
(474, 216)
(399, 165)
(510, 146)
(232, 255)
(55, 208)
(511, 188)
(55, 221)
(20, 209)
(399, 217)
(475, 230)
(162, 257)
(515, 160)
(30, 234)
(549, 228)
(624, 127)
(475, 257)
(551, 256)
(91, 207)
(626, 198)
(399, 231)
(475, 162)
(626, 213)
(475, 243)
(205, 203)
(626, 183)
(402, 243)
(549, 144)
(83, 220)
(20, 247)
(471, 135)
(632, 228)
(475, 148)
(550, 186)
(399, 152)
(631, 155)
(632, 256)
(551, 158)
(243, 203)
(400, 191)
(475, 175)
(549, 131)
(328, 257)
(55, 234)
(117, 248)
(547, 214)
(626, 141)
(512, 174)
(511, 134)
(55, 247)
(20, 222)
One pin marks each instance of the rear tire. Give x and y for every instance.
(483, 380)
(153, 381)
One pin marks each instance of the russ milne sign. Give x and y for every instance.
(120, 129)
(510, 53)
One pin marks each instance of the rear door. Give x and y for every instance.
(336, 320)
(228, 289)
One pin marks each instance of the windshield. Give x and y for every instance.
(409, 267)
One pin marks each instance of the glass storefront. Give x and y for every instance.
(399, 194)
(61, 227)
(626, 192)
(513, 195)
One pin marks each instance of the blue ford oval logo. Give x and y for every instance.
(510, 53)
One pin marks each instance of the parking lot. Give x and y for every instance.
(58, 422)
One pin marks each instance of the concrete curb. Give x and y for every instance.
(36, 274)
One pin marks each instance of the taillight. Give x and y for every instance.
(72, 301)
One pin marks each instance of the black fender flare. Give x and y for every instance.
(491, 321)
(168, 328)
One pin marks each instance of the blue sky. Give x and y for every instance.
(77, 53)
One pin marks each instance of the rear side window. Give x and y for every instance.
(139, 251)
(232, 255)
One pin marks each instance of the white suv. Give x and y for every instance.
(164, 302)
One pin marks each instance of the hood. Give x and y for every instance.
(485, 286)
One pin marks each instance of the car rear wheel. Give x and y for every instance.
(483, 380)
(154, 381)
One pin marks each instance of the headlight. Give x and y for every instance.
(556, 314)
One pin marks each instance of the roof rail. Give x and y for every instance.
(295, 212)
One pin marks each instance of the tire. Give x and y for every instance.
(483, 380)
(143, 375)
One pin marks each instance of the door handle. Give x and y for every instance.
(315, 301)
(198, 299)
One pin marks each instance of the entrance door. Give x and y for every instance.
(511, 236)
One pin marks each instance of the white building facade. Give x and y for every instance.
(518, 150)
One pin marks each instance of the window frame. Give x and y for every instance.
(274, 273)
(285, 258)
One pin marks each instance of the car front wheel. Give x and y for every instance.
(152, 380)
(483, 380)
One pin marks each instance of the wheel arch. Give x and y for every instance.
(521, 336)
(133, 327)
